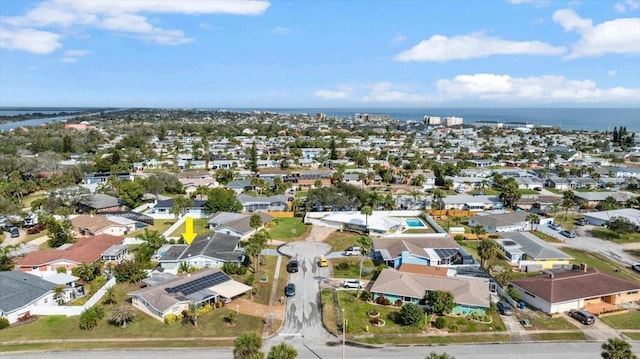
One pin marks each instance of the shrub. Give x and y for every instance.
(454, 328)
(342, 266)
(398, 303)
(458, 237)
(170, 318)
(205, 309)
(411, 314)
(513, 293)
(90, 317)
(441, 322)
(4, 322)
(382, 300)
(366, 296)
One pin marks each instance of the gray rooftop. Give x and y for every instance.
(535, 247)
(99, 201)
(18, 289)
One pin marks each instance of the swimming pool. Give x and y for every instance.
(414, 222)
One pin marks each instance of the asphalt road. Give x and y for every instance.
(581, 350)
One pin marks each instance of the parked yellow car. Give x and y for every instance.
(323, 262)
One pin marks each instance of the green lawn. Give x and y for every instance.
(630, 320)
(26, 201)
(143, 326)
(262, 290)
(464, 325)
(546, 237)
(350, 267)
(524, 191)
(417, 231)
(339, 241)
(285, 229)
(568, 221)
(200, 226)
(609, 235)
(436, 339)
(568, 336)
(632, 335)
(594, 260)
(356, 314)
(189, 343)
(541, 321)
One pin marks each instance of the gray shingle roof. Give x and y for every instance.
(18, 289)
(535, 247)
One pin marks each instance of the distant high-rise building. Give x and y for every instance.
(453, 121)
(432, 120)
(371, 117)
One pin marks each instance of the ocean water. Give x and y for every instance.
(590, 119)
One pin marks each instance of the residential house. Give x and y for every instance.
(470, 294)
(470, 203)
(239, 186)
(425, 251)
(531, 253)
(560, 183)
(175, 295)
(44, 263)
(236, 224)
(375, 224)
(100, 203)
(21, 292)
(206, 251)
(592, 199)
(263, 204)
(71, 289)
(103, 177)
(603, 217)
(90, 225)
(557, 292)
(504, 222)
(164, 206)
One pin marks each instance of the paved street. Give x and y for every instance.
(578, 350)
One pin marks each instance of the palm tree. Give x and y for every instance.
(478, 230)
(121, 315)
(247, 346)
(616, 348)
(555, 206)
(282, 351)
(434, 355)
(487, 249)
(532, 218)
(58, 293)
(109, 296)
(366, 211)
(365, 244)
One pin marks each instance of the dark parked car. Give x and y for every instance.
(567, 233)
(581, 222)
(504, 308)
(636, 267)
(555, 226)
(292, 267)
(582, 316)
(290, 290)
(15, 232)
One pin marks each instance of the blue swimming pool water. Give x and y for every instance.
(414, 222)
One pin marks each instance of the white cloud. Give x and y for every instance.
(441, 48)
(399, 38)
(533, 90)
(122, 16)
(386, 92)
(343, 92)
(627, 5)
(71, 56)
(279, 30)
(30, 40)
(612, 72)
(619, 36)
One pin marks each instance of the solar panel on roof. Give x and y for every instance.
(200, 283)
(446, 252)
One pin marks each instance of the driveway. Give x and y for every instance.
(303, 321)
(611, 250)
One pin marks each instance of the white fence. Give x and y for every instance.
(71, 310)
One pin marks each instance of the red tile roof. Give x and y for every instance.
(573, 285)
(85, 250)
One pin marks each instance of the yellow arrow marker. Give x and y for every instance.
(188, 234)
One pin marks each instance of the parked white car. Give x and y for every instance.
(353, 283)
(352, 251)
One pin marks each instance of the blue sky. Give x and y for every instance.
(199, 53)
